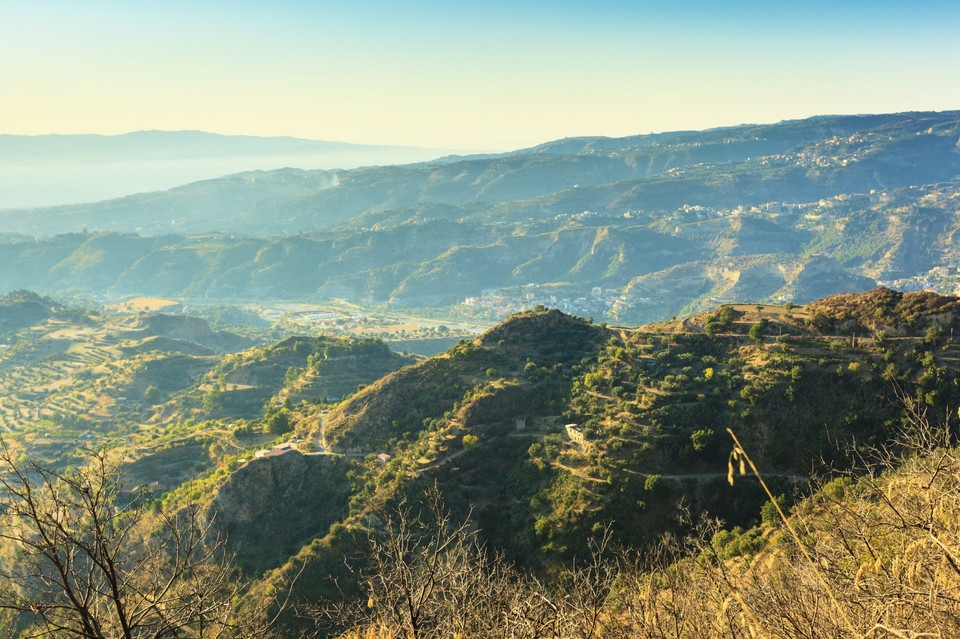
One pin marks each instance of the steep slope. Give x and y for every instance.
(271, 508)
(867, 554)
(466, 382)
(548, 428)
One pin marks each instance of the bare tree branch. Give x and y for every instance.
(87, 564)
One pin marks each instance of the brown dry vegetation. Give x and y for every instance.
(867, 557)
(884, 309)
(143, 305)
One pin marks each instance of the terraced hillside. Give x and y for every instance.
(164, 390)
(549, 428)
(293, 371)
(544, 430)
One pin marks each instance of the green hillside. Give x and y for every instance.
(166, 390)
(547, 432)
(644, 403)
(548, 429)
(866, 554)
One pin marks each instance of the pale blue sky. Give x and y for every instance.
(491, 75)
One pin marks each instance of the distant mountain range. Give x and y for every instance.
(630, 229)
(796, 161)
(59, 169)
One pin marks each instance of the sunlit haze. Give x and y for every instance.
(493, 75)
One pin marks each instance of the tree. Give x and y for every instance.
(756, 332)
(82, 562)
(428, 577)
(702, 439)
(278, 423)
(151, 395)
(934, 336)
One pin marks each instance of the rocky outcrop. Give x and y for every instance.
(272, 506)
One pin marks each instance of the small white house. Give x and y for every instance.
(575, 433)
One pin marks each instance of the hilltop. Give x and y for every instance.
(467, 383)
(546, 431)
(549, 428)
(21, 309)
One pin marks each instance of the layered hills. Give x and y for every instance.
(630, 230)
(544, 432)
(162, 388)
(796, 161)
(548, 429)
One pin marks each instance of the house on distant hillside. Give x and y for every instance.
(279, 449)
(575, 433)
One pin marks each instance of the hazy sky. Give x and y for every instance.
(481, 75)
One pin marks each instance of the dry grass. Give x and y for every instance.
(872, 557)
(144, 305)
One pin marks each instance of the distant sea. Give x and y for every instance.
(32, 186)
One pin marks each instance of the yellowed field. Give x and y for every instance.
(144, 305)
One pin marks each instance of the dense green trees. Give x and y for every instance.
(151, 395)
(278, 421)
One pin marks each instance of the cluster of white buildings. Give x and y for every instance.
(940, 279)
(596, 303)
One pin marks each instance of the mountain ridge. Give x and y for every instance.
(781, 136)
(853, 200)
